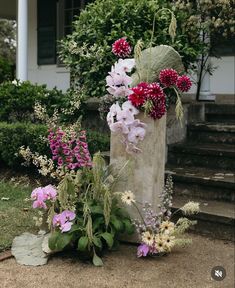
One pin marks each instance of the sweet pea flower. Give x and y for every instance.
(128, 106)
(136, 134)
(125, 116)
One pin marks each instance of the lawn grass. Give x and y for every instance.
(16, 214)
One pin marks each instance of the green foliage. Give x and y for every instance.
(96, 227)
(17, 100)
(6, 70)
(88, 50)
(15, 135)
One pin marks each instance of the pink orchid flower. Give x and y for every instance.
(123, 66)
(119, 127)
(69, 215)
(125, 116)
(136, 134)
(50, 193)
(128, 106)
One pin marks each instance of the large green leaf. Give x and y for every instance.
(97, 242)
(97, 261)
(108, 237)
(58, 241)
(117, 223)
(129, 227)
(82, 243)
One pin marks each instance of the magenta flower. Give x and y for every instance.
(142, 250)
(121, 48)
(168, 77)
(184, 83)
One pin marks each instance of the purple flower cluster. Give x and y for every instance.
(41, 194)
(63, 220)
(70, 151)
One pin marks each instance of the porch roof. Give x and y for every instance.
(8, 9)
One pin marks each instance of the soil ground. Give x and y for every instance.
(184, 268)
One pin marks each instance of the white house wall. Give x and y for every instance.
(222, 81)
(44, 74)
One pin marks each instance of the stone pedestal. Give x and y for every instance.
(144, 174)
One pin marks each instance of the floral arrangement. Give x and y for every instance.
(158, 234)
(79, 207)
(149, 97)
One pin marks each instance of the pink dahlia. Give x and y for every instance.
(168, 77)
(184, 83)
(121, 48)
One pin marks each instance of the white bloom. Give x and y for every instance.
(168, 242)
(167, 227)
(123, 66)
(114, 109)
(128, 197)
(147, 238)
(190, 208)
(159, 244)
(128, 106)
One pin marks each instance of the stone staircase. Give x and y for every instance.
(203, 170)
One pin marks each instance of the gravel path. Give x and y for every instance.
(187, 268)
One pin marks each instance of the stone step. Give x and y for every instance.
(202, 183)
(221, 156)
(211, 133)
(224, 113)
(216, 218)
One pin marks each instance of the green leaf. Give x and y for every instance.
(108, 237)
(82, 243)
(118, 225)
(58, 241)
(96, 209)
(129, 227)
(97, 222)
(97, 242)
(97, 261)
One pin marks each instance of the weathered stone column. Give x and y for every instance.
(144, 174)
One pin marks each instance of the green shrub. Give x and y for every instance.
(6, 70)
(15, 135)
(17, 100)
(87, 51)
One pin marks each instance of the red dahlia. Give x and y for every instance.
(159, 108)
(154, 91)
(138, 97)
(121, 48)
(168, 77)
(184, 83)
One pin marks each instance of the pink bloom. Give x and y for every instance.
(123, 66)
(114, 109)
(121, 48)
(168, 77)
(128, 106)
(69, 215)
(119, 127)
(39, 203)
(125, 116)
(37, 193)
(66, 227)
(142, 250)
(154, 91)
(50, 192)
(184, 83)
(136, 134)
(119, 91)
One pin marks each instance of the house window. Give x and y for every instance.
(55, 19)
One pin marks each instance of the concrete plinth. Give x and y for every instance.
(144, 174)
